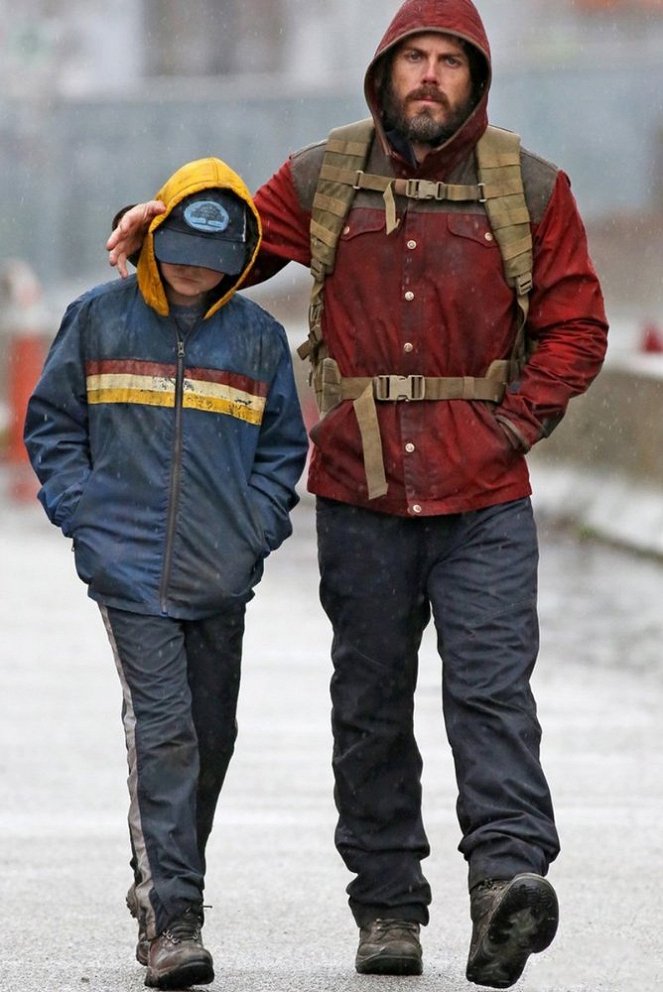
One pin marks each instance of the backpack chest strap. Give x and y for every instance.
(419, 189)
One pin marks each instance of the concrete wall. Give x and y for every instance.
(602, 469)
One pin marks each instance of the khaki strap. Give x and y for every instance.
(369, 429)
(498, 157)
(421, 189)
(346, 146)
(412, 388)
(364, 391)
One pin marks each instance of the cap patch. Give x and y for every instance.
(206, 216)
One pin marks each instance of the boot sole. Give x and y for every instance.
(524, 923)
(192, 973)
(389, 965)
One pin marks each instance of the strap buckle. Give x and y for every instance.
(425, 189)
(395, 388)
(358, 177)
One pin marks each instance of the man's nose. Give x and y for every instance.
(431, 72)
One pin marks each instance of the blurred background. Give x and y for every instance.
(99, 104)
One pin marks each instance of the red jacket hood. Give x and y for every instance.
(457, 17)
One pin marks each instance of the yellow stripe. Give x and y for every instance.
(211, 397)
(223, 392)
(146, 397)
(211, 404)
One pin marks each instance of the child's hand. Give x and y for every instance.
(129, 234)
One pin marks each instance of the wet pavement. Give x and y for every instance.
(279, 919)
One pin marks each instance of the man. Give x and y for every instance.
(435, 519)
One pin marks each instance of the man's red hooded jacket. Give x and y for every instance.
(431, 299)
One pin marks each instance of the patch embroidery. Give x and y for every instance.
(207, 216)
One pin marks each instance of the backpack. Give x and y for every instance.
(499, 188)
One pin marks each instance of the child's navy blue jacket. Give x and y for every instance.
(170, 458)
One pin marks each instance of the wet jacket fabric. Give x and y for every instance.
(170, 456)
(431, 299)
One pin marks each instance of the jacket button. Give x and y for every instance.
(408, 346)
(488, 236)
(416, 508)
(409, 296)
(412, 244)
(409, 447)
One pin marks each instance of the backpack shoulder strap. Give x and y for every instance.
(499, 171)
(347, 149)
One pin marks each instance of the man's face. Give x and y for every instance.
(429, 92)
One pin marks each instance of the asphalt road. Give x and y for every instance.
(279, 919)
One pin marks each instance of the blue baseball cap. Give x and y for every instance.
(208, 229)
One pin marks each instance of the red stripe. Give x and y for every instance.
(120, 366)
(234, 379)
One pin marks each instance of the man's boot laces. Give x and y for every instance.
(388, 926)
(186, 927)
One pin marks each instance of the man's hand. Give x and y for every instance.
(129, 234)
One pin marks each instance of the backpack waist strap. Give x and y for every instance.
(332, 388)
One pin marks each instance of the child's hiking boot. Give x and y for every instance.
(143, 945)
(389, 947)
(177, 958)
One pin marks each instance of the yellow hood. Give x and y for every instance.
(204, 173)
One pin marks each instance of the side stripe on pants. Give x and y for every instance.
(135, 825)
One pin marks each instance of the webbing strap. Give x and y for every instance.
(371, 445)
(498, 157)
(417, 189)
(347, 147)
(408, 388)
(364, 391)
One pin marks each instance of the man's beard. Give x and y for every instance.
(422, 127)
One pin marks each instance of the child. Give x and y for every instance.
(167, 436)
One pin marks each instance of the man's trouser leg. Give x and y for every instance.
(483, 591)
(159, 660)
(371, 591)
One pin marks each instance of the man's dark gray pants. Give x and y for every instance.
(381, 577)
(180, 682)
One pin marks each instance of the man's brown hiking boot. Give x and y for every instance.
(511, 920)
(389, 947)
(177, 958)
(143, 945)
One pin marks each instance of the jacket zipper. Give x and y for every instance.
(175, 475)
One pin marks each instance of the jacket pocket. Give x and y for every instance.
(473, 227)
(360, 222)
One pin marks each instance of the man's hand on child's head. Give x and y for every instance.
(128, 236)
